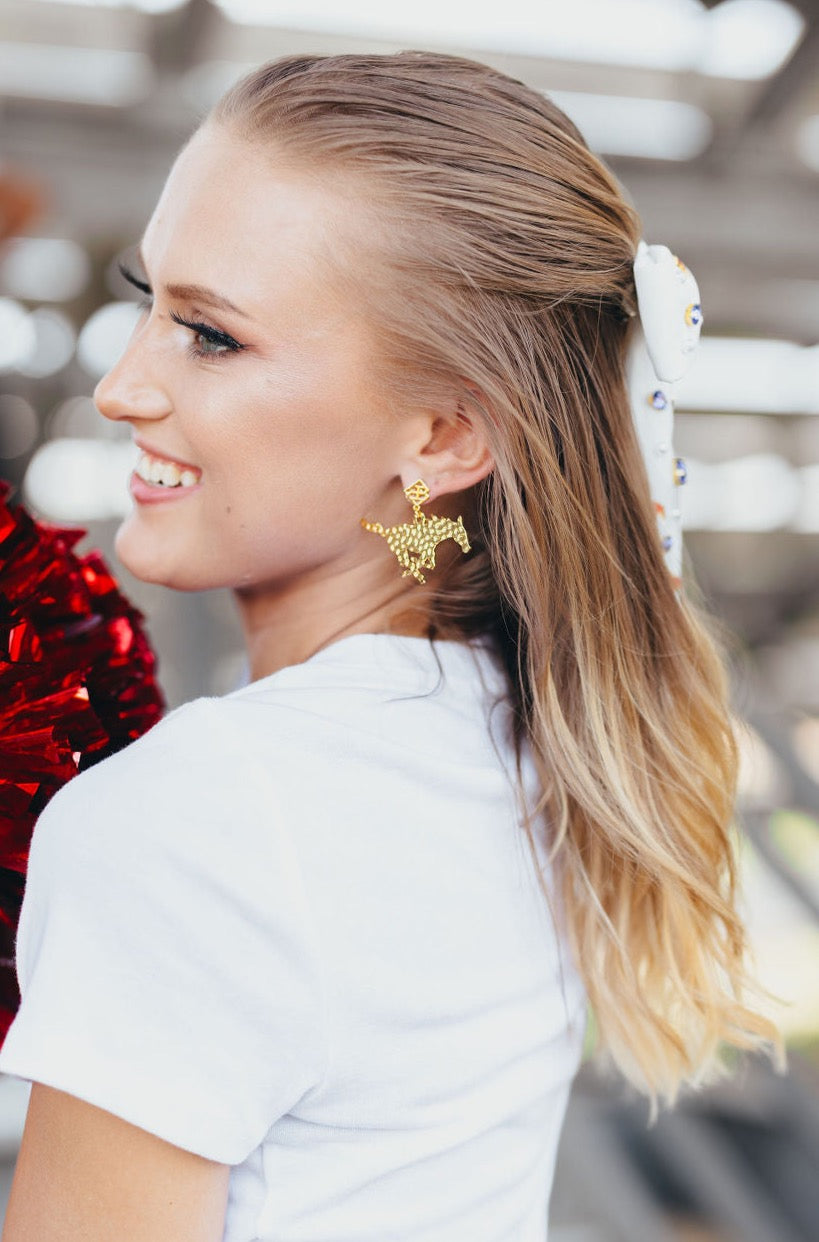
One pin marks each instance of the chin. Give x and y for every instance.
(151, 560)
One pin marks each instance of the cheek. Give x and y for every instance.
(312, 445)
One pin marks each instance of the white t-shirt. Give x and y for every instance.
(297, 929)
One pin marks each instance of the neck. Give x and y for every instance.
(286, 624)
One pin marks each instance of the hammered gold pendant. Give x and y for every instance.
(414, 542)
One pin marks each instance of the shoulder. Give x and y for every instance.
(164, 897)
(172, 833)
(194, 729)
(162, 764)
(187, 797)
(189, 750)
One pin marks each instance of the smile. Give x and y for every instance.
(163, 473)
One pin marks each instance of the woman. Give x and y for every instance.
(288, 969)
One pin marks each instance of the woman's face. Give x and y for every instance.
(255, 374)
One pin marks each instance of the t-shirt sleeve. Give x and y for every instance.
(165, 953)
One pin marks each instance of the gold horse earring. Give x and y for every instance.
(414, 542)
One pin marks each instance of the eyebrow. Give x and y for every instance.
(199, 293)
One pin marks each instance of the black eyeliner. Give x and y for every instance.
(209, 333)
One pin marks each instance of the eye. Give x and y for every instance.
(204, 345)
(211, 342)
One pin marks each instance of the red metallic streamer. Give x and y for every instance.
(77, 683)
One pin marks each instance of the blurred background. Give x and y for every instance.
(709, 114)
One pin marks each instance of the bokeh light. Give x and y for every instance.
(19, 426)
(806, 517)
(44, 269)
(754, 492)
(51, 344)
(805, 737)
(762, 780)
(105, 336)
(743, 39)
(70, 480)
(664, 129)
(77, 418)
(750, 38)
(102, 76)
(17, 334)
(144, 6)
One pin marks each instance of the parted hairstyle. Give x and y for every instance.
(499, 267)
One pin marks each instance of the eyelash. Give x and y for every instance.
(204, 330)
(212, 335)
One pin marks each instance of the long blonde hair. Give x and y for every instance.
(506, 251)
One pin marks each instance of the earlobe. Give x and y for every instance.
(457, 454)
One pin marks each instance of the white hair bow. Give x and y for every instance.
(668, 301)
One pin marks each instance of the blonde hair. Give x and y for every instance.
(507, 250)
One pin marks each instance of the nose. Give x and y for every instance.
(131, 391)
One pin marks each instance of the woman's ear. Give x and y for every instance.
(456, 453)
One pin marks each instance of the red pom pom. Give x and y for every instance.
(77, 682)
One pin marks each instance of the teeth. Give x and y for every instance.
(164, 473)
(169, 474)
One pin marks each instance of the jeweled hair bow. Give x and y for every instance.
(667, 335)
